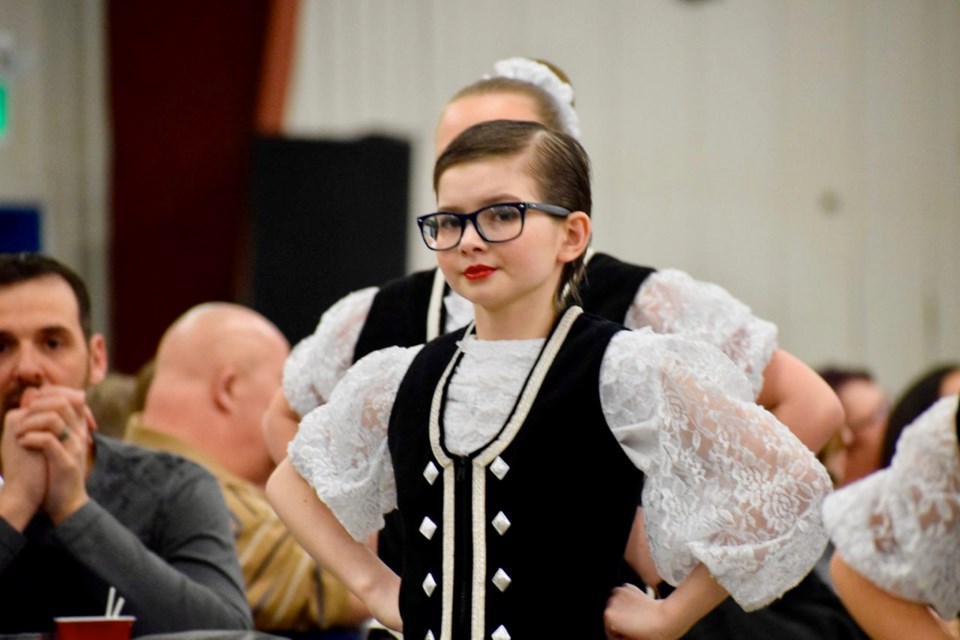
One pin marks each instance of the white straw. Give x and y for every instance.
(116, 610)
(110, 597)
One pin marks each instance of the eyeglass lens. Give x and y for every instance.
(494, 224)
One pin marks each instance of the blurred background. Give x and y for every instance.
(803, 154)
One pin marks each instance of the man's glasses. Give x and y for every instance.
(499, 222)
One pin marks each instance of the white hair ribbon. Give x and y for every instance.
(540, 75)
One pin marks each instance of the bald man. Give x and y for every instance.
(215, 371)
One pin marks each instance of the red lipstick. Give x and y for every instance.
(478, 272)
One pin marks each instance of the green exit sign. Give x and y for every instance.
(3, 109)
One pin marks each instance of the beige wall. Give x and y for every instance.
(803, 154)
(55, 155)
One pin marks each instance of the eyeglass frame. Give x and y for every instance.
(549, 209)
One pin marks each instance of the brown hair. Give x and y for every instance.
(16, 268)
(558, 164)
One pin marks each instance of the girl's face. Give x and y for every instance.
(504, 275)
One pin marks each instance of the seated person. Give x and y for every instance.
(112, 402)
(79, 512)
(854, 451)
(215, 371)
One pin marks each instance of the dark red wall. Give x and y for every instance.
(183, 78)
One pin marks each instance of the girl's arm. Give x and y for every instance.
(632, 614)
(881, 614)
(672, 302)
(279, 426)
(319, 532)
(800, 399)
(638, 555)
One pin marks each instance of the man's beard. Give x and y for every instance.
(12, 396)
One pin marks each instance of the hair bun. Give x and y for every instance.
(540, 75)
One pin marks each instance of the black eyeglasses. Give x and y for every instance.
(499, 222)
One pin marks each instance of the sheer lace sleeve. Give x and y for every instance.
(900, 526)
(727, 485)
(341, 446)
(671, 301)
(317, 362)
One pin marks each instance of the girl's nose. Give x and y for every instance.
(471, 237)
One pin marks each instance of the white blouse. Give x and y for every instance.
(668, 301)
(900, 526)
(727, 485)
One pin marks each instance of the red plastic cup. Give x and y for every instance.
(94, 628)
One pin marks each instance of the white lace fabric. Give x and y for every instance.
(319, 361)
(341, 446)
(727, 485)
(671, 301)
(900, 526)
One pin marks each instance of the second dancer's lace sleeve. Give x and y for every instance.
(317, 362)
(341, 447)
(900, 527)
(671, 301)
(727, 485)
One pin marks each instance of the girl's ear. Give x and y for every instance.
(577, 229)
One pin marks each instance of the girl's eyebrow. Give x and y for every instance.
(484, 202)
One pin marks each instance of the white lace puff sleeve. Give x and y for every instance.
(900, 527)
(341, 447)
(727, 485)
(671, 301)
(317, 362)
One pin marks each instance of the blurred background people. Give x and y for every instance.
(855, 451)
(214, 373)
(80, 513)
(112, 402)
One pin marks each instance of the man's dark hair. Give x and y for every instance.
(16, 268)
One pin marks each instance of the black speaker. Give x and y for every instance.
(328, 217)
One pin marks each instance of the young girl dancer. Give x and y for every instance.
(419, 307)
(513, 448)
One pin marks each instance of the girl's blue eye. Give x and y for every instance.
(505, 214)
(448, 223)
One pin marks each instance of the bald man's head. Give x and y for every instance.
(217, 367)
(217, 332)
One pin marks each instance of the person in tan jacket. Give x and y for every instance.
(215, 370)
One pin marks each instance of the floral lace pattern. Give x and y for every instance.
(341, 446)
(900, 526)
(483, 392)
(727, 484)
(319, 361)
(670, 301)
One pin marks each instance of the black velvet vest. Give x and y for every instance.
(398, 314)
(529, 532)
(610, 286)
(399, 317)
